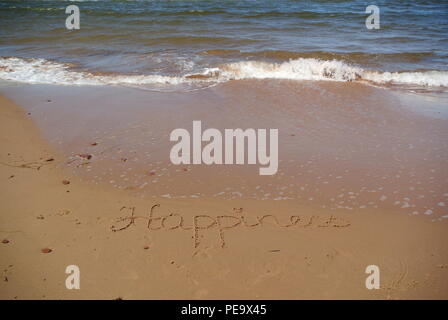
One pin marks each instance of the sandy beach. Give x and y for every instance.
(194, 248)
(225, 150)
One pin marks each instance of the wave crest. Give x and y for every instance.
(47, 72)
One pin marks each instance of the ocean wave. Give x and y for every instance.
(48, 72)
(299, 69)
(41, 71)
(333, 70)
(431, 78)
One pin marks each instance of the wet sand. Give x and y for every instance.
(347, 157)
(341, 145)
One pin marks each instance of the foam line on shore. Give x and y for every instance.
(43, 71)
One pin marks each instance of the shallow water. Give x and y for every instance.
(155, 44)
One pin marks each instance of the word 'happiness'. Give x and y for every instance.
(221, 223)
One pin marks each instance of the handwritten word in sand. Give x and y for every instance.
(221, 224)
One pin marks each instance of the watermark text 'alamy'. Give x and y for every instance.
(228, 150)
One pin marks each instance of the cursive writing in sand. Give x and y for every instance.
(220, 223)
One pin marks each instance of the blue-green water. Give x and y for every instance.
(146, 42)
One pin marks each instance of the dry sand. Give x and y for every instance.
(206, 249)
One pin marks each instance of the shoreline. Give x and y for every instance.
(342, 146)
(326, 259)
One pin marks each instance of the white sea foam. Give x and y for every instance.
(300, 69)
(315, 69)
(424, 78)
(47, 72)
